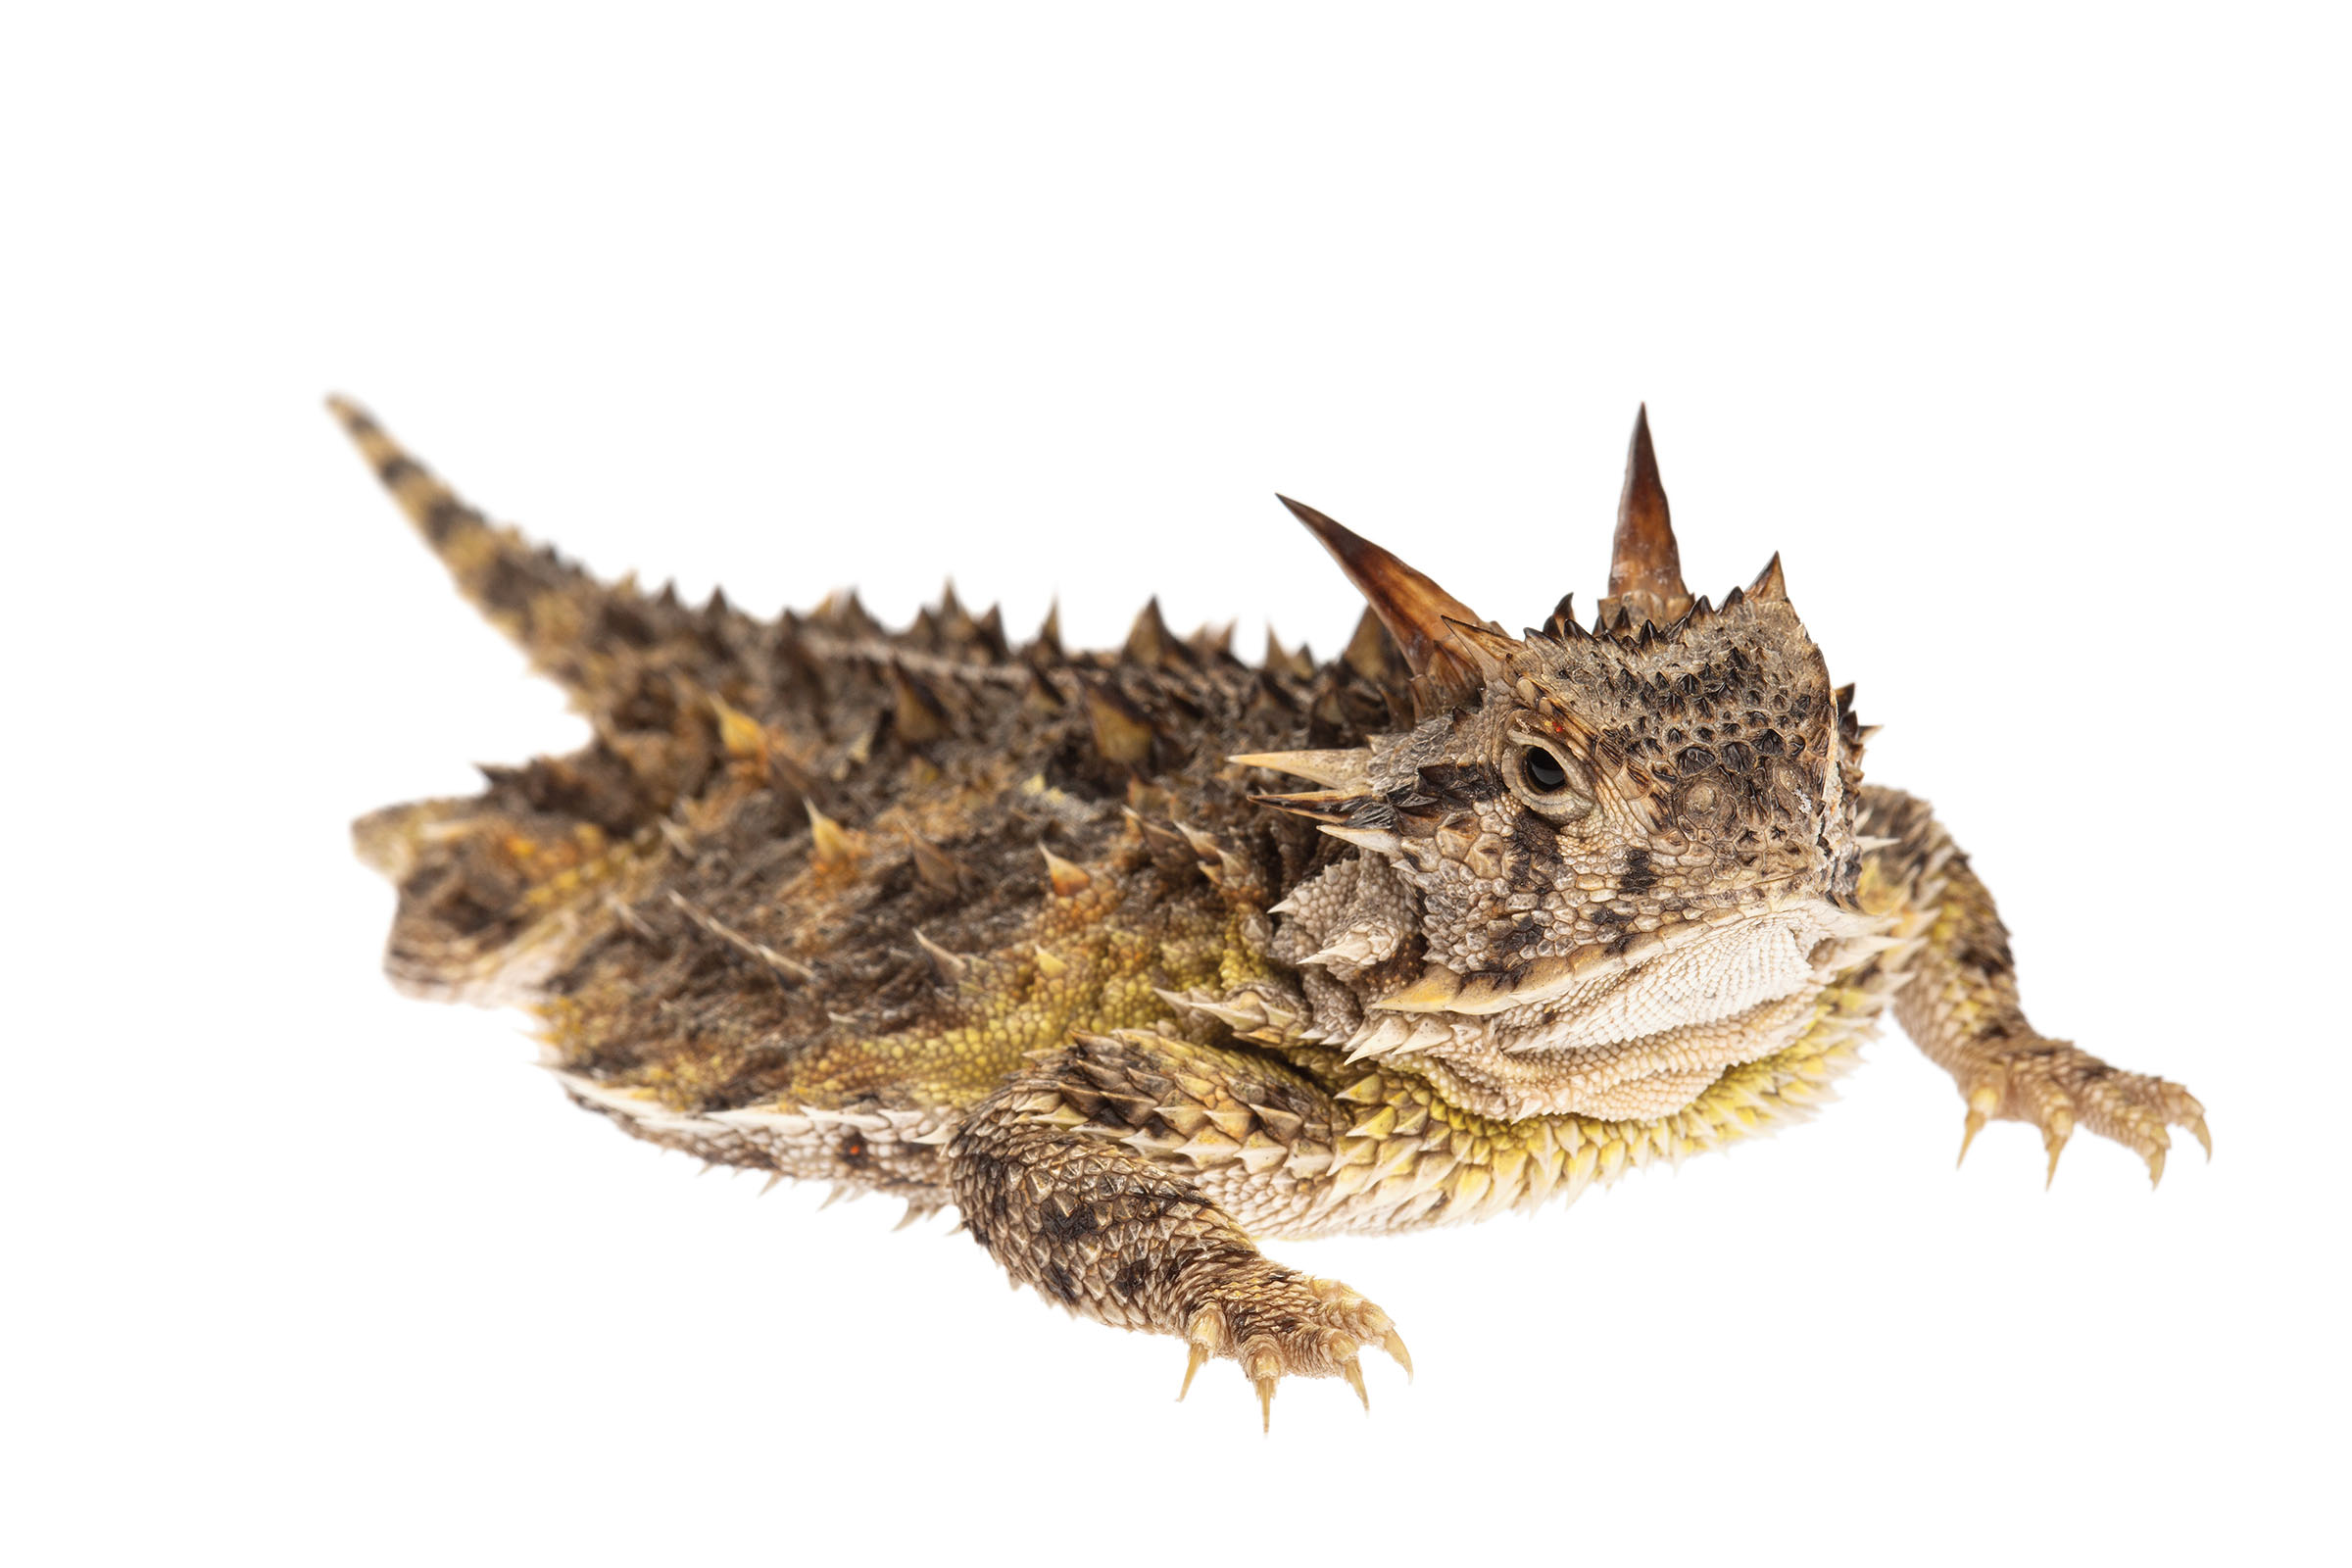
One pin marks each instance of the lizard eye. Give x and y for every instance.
(1545, 779)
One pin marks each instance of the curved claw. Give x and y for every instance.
(1353, 1371)
(2054, 1134)
(2156, 1169)
(1393, 1342)
(1982, 1102)
(1968, 1134)
(2196, 1130)
(1198, 1359)
(1265, 1371)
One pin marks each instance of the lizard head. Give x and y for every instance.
(1612, 862)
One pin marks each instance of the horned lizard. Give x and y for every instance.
(1056, 937)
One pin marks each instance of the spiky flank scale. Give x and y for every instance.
(1057, 939)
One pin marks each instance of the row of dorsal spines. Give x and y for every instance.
(949, 628)
(1617, 619)
(1429, 635)
(1119, 699)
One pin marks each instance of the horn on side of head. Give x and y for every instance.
(1417, 612)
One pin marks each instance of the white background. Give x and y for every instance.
(2021, 333)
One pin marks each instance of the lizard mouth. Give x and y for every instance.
(1652, 1076)
(1711, 953)
(1638, 1029)
(1694, 971)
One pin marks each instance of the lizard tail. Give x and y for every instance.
(550, 608)
(498, 890)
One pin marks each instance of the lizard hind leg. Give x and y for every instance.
(499, 889)
(491, 899)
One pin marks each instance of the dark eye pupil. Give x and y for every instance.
(1544, 771)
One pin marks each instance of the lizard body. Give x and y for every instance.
(1056, 938)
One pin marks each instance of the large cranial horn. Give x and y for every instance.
(1414, 610)
(1645, 568)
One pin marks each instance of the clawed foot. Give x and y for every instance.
(1283, 1322)
(2057, 1087)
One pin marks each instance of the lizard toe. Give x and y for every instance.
(2057, 1087)
(1283, 1324)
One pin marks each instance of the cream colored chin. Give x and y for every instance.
(1725, 973)
(1651, 1041)
(1710, 963)
(1633, 1080)
(1639, 1042)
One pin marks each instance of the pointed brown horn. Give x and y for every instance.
(1414, 610)
(1645, 568)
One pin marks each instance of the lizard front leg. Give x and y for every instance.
(1959, 1005)
(1049, 1180)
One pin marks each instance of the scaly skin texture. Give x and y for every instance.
(1055, 937)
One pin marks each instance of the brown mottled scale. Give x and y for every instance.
(1135, 955)
(662, 895)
